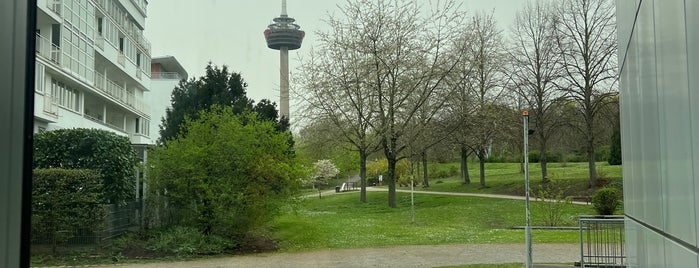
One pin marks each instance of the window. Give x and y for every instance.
(100, 21)
(121, 45)
(65, 96)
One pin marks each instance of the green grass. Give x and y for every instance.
(341, 221)
(506, 178)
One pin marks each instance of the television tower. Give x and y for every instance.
(284, 35)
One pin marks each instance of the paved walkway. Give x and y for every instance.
(397, 256)
(385, 189)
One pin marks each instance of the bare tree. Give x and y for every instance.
(536, 65)
(379, 65)
(406, 51)
(486, 56)
(588, 45)
(335, 90)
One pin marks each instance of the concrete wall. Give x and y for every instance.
(659, 86)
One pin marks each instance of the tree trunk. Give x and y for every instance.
(464, 166)
(481, 162)
(391, 180)
(425, 181)
(362, 175)
(543, 161)
(591, 163)
(591, 151)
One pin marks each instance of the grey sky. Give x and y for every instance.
(230, 32)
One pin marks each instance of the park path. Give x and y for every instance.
(395, 256)
(500, 196)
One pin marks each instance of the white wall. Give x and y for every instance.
(660, 130)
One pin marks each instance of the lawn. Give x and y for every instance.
(341, 221)
(507, 178)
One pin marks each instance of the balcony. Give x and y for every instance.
(47, 49)
(99, 42)
(165, 75)
(50, 105)
(55, 6)
(121, 59)
(120, 94)
(138, 74)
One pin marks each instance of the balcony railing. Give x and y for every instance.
(55, 6)
(126, 26)
(50, 104)
(47, 49)
(165, 75)
(121, 59)
(119, 93)
(99, 42)
(138, 74)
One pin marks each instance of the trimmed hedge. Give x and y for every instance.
(65, 203)
(105, 152)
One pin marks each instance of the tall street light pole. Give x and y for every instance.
(528, 228)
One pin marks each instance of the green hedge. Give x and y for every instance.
(105, 152)
(65, 203)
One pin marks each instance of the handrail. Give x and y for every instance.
(47, 49)
(119, 93)
(165, 75)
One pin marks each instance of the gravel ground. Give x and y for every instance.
(398, 256)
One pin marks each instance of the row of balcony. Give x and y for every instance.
(129, 28)
(52, 52)
(120, 93)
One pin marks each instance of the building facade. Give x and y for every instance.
(93, 67)
(166, 73)
(659, 87)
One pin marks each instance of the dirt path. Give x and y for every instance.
(398, 256)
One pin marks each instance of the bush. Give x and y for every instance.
(229, 176)
(64, 204)
(184, 241)
(606, 200)
(105, 152)
(553, 203)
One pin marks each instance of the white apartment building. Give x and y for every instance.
(166, 73)
(93, 67)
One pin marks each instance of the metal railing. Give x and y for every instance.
(99, 41)
(47, 49)
(602, 241)
(116, 221)
(120, 93)
(165, 75)
(121, 59)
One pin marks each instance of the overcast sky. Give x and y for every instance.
(230, 32)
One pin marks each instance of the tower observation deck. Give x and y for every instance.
(284, 35)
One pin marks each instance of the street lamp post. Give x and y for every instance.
(528, 228)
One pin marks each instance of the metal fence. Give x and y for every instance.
(602, 241)
(117, 221)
